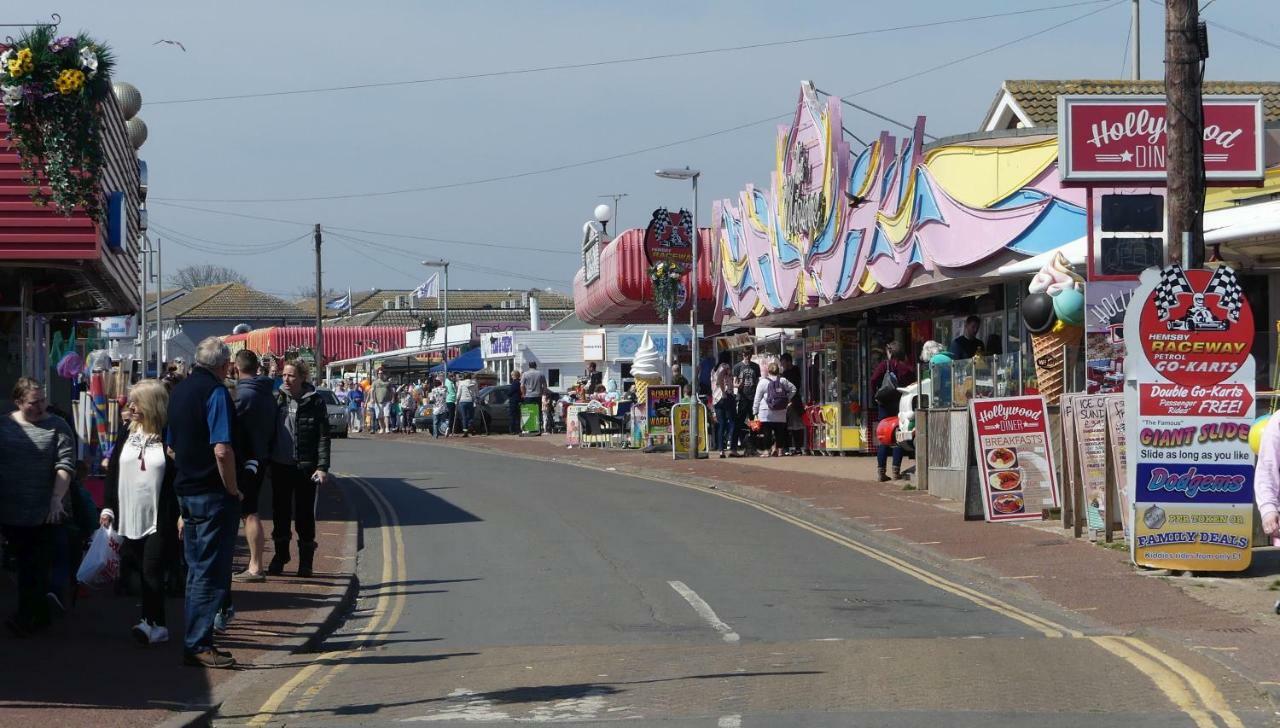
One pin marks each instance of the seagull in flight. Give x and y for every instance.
(171, 42)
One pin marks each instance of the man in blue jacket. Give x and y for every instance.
(201, 433)
(256, 416)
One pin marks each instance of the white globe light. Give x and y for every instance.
(604, 213)
(137, 130)
(130, 98)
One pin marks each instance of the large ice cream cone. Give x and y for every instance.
(1050, 360)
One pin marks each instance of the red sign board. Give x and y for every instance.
(1015, 461)
(1196, 328)
(669, 238)
(1123, 138)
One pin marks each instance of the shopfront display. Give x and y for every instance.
(836, 368)
(1016, 473)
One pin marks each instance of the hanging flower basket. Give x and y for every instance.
(666, 285)
(51, 88)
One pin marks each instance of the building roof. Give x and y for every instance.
(1038, 99)
(229, 301)
(410, 316)
(482, 299)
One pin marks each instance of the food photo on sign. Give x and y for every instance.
(1189, 419)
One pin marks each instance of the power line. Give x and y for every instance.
(620, 155)
(619, 61)
(348, 240)
(220, 243)
(1229, 29)
(1124, 63)
(177, 239)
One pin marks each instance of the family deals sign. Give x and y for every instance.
(1188, 418)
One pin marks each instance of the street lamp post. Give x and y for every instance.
(693, 175)
(444, 355)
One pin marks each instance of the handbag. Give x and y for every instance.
(887, 395)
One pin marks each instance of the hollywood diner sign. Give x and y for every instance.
(1122, 138)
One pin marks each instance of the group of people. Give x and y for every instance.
(742, 395)
(188, 466)
(447, 403)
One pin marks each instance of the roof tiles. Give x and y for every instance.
(1039, 99)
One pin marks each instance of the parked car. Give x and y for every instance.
(337, 413)
(492, 415)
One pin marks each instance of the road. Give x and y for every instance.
(497, 590)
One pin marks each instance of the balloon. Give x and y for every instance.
(1069, 306)
(1255, 433)
(884, 430)
(1037, 312)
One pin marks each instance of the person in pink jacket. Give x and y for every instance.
(1266, 480)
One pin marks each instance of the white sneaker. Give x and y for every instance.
(159, 634)
(142, 632)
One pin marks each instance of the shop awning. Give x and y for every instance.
(1076, 252)
(468, 361)
(1248, 233)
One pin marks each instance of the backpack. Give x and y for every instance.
(888, 395)
(776, 397)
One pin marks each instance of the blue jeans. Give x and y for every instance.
(467, 412)
(882, 451)
(726, 423)
(210, 524)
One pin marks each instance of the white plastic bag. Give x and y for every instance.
(101, 564)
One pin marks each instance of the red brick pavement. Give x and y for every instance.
(87, 670)
(1097, 586)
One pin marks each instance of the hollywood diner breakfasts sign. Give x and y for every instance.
(1116, 138)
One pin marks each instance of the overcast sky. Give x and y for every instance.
(380, 139)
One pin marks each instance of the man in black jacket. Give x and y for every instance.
(299, 464)
(256, 417)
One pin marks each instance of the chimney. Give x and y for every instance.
(533, 314)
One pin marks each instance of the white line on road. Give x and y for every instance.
(704, 610)
(729, 721)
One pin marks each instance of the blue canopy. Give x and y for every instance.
(467, 361)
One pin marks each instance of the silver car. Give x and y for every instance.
(337, 413)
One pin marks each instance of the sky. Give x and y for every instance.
(370, 140)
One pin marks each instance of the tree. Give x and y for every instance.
(309, 291)
(205, 274)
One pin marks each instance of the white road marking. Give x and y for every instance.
(729, 721)
(704, 610)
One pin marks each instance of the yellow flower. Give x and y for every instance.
(21, 63)
(69, 81)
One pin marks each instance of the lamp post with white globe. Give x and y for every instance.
(693, 175)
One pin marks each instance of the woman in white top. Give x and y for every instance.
(773, 396)
(140, 500)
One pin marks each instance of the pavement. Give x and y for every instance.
(88, 670)
(501, 582)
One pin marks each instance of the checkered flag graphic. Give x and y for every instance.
(659, 224)
(1227, 287)
(686, 225)
(1173, 283)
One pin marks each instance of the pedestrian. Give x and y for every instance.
(37, 460)
(201, 431)
(299, 464)
(724, 404)
(773, 396)
(408, 408)
(897, 373)
(746, 375)
(466, 402)
(1266, 486)
(139, 498)
(967, 344)
(451, 403)
(355, 403)
(439, 409)
(533, 386)
(381, 395)
(795, 412)
(341, 392)
(513, 403)
(256, 418)
(594, 377)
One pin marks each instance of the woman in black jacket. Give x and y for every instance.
(139, 498)
(299, 464)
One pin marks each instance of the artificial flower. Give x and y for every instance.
(12, 95)
(61, 44)
(21, 63)
(89, 61)
(5, 58)
(69, 81)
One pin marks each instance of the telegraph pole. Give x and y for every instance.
(1137, 40)
(1184, 54)
(319, 308)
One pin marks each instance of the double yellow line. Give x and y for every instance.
(386, 613)
(1192, 692)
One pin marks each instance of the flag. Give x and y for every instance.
(1173, 283)
(430, 288)
(1230, 297)
(339, 303)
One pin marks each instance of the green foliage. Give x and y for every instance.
(52, 88)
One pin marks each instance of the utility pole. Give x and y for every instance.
(1137, 40)
(161, 349)
(617, 198)
(142, 315)
(319, 308)
(1183, 78)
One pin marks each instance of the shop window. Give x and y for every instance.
(626, 370)
(553, 377)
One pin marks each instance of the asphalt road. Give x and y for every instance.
(501, 591)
